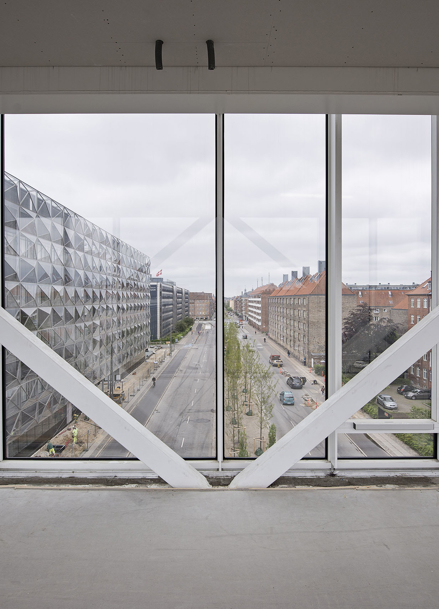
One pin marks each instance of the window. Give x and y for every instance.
(425, 357)
(412, 302)
(418, 318)
(412, 319)
(94, 230)
(418, 371)
(425, 303)
(418, 303)
(424, 374)
(376, 269)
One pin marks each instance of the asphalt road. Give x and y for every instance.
(286, 417)
(185, 418)
(180, 409)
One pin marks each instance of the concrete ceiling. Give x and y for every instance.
(254, 33)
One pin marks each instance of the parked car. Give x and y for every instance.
(386, 401)
(286, 397)
(294, 382)
(405, 388)
(418, 394)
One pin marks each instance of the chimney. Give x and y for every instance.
(321, 266)
(305, 271)
(285, 278)
(293, 274)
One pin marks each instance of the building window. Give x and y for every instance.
(424, 374)
(412, 302)
(418, 371)
(376, 318)
(412, 319)
(418, 303)
(418, 319)
(412, 369)
(425, 303)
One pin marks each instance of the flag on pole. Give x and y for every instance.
(159, 273)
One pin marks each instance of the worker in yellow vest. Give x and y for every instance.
(50, 449)
(74, 434)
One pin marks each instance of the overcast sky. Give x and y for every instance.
(150, 179)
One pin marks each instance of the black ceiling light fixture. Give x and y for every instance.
(210, 55)
(158, 55)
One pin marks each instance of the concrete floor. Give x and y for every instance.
(135, 548)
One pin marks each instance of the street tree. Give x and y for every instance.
(264, 388)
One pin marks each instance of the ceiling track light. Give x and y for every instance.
(158, 55)
(210, 55)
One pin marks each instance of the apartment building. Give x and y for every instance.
(257, 306)
(297, 317)
(419, 305)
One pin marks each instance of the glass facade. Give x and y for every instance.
(82, 291)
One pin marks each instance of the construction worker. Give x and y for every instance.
(50, 449)
(74, 434)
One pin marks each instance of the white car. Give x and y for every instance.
(387, 401)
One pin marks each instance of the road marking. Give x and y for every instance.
(195, 391)
(192, 402)
(188, 418)
(182, 442)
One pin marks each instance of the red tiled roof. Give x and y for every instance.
(403, 303)
(422, 289)
(380, 298)
(263, 289)
(311, 284)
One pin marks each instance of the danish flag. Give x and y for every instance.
(159, 273)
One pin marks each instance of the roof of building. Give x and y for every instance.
(423, 289)
(379, 298)
(402, 304)
(310, 284)
(263, 289)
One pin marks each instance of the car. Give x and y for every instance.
(244, 336)
(386, 401)
(275, 360)
(418, 394)
(405, 388)
(286, 397)
(294, 382)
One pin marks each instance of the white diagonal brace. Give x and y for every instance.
(89, 399)
(339, 407)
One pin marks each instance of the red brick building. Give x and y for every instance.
(419, 305)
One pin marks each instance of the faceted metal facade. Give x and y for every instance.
(78, 288)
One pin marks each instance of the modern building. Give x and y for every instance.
(80, 290)
(297, 316)
(201, 305)
(169, 305)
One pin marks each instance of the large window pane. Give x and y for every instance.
(275, 278)
(109, 252)
(386, 266)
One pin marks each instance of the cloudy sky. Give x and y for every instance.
(150, 179)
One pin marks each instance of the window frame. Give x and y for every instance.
(333, 271)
